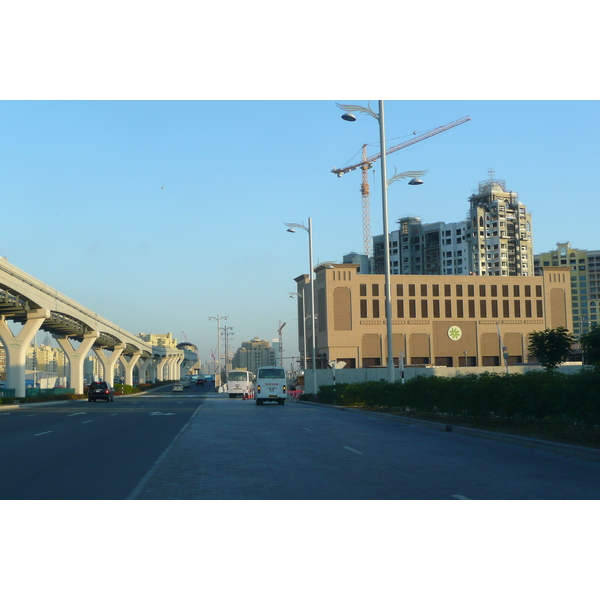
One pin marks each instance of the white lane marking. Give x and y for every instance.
(352, 450)
(88, 421)
(307, 429)
(459, 497)
(114, 414)
(162, 414)
(75, 414)
(43, 433)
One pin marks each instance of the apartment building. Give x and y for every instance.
(499, 232)
(254, 354)
(495, 239)
(584, 274)
(445, 320)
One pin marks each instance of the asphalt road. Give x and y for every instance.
(80, 450)
(234, 449)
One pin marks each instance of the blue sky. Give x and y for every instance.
(234, 114)
(82, 192)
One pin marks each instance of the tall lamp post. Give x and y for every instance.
(292, 229)
(348, 116)
(218, 320)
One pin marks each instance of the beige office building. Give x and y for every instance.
(445, 320)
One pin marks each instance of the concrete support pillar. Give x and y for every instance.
(177, 360)
(152, 370)
(171, 367)
(143, 364)
(128, 366)
(109, 362)
(160, 368)
(16, 348)
(77, 357)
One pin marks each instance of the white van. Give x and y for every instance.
(270, 385)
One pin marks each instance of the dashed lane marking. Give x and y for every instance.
(75, 414)
(307, 429)
(459, 497)
(43, 433)
(352, 450)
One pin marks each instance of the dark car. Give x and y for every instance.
(200, 381)
(100, 390)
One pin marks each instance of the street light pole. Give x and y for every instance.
(386, 247)
(311, 277)
(218, 320)
(384, 201)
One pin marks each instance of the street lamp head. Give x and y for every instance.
(415, 181)
(291, 230)
(348, 117)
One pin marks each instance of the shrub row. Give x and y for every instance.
(532, 396)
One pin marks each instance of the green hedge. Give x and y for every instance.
(504, 399)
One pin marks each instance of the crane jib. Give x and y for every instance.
(419, 138)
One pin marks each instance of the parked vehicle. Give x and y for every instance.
(100, 390)
(271, 385)
(240, 383)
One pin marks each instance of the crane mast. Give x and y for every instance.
(367, 163)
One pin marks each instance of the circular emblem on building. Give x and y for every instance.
(454, 333)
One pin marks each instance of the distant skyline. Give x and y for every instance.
(159, 214)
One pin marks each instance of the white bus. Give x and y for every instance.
(240, 383)
(271, 385)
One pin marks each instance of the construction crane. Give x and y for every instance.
(281, 343)
(366, 163)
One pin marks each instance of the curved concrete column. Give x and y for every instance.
(143, 365)
(16, 348)
(159, 366)
(77, 357)
(109, 362)
(128, 366)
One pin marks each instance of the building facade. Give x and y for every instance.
(444, 320)
(584, 274)
(254, 354)
(499, 232)
(418, 248)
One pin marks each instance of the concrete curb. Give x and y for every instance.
(556, 447)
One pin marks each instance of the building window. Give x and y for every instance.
(423, 289)
(376, 309)
(400, 308)
(436, 309)
(493, 291)
(447, 290)
(517, 306)
(506, 308)
(482, 291)
(435, 289)
(494, 309)
(363, 308)
(412, 309)
(363, 289)
(411, 289)
(482, 309)
(399, 289)
(459, 290)
(424, 310)
(471, 309)
(375, 289)
(539, 308)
